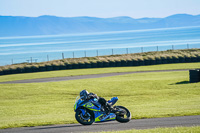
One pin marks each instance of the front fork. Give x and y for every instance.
(83, 111)
(85, 115)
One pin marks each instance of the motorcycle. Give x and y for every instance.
(89, 111)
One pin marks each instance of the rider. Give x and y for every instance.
(85, 95)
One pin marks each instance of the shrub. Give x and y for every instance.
(181, 58)
(81, 64)
(147, 60)
(62, 65)
(193, 58)
(135, 61)
(7, 70)
(1, 71)
(105, 63)
(117, 62)
(87, 64)
(66, 62)
(13, 69)
(93, 63)
(197, 56)
(42, 67)
(35, 68)
(99, 63)
(75, 65)
(56, 66)
(111, 62)
(49, 66)
(175, 58)
(158, 59)
(28, 68)
(140, 61)
(129, 62)
(123, 62)
(152, 60)
(164, 59)
(187, 57)
(21, 68)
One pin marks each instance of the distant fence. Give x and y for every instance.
(100, 64)
(142, 60)
(99, 52)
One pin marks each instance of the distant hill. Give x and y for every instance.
(50, 25)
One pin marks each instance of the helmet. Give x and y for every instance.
(84, 94)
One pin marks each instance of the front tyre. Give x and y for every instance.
(123, 115)
(86, 119)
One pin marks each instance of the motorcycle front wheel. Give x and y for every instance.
(86, 119)
(123, 114)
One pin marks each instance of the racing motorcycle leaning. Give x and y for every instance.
(89, 111)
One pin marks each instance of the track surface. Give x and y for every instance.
(56, 79)
(111, 126)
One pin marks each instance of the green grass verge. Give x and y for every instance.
(146, 95)
(195, 129)
(63, 73)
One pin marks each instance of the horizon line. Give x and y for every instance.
(97, 17)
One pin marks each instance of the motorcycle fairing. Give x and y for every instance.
(99, 117)
(94, 106)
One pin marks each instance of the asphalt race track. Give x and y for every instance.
(111, 126)
(56, 79)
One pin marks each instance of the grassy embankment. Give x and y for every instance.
(195, 129)
(146, 95)
(137, 59)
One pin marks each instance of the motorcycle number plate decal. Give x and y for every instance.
(89, 105)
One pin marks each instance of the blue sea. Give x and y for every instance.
(51, 47)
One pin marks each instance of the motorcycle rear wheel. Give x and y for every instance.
(123, 115)
(86, 119)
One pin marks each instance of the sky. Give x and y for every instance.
(99, 8)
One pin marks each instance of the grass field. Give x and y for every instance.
(195, 129)
(146, 95)
(75, 72)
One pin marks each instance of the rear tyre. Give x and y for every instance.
(123, 115)
(86, 119)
